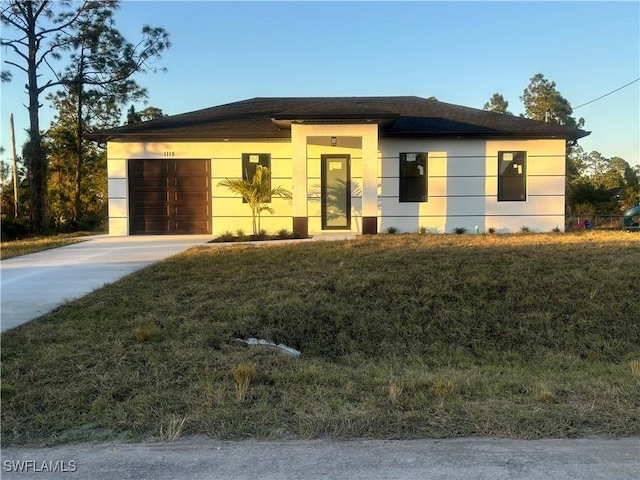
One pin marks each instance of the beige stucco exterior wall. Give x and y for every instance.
(462, 180)
(463, 186)
(360, 142)
(229, 213)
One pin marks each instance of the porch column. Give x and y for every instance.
(370, 179)
(118, 200)
(299, 190)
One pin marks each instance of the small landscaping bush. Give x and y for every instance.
(240, 236)
(283, 233)
(227, 236)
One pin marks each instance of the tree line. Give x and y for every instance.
(73, 55)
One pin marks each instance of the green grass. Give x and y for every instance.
(402, 336)
(15, 248)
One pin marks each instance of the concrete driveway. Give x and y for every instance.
(35, 284)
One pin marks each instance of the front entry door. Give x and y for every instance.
(336, 192)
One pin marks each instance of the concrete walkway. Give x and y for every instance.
(35, 284)
(199, 458)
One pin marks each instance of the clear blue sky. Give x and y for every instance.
(459, 52)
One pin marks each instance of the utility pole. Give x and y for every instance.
(15, 167)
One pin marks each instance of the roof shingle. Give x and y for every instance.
(398, 117)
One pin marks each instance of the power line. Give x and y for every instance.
(607, 94)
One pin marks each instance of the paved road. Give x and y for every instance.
(35, 284)
(198, 458)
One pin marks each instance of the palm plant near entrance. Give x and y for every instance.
(257, 192)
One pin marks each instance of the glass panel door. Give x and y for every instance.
(336, 192)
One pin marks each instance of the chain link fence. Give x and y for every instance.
(598, 222)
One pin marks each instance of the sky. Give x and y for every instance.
(459, 52)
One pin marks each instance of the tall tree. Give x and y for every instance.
(98, 79)
(148, 113)
(497, 104)
(575, 164)
(542, 101)
(604, 186)
(595, 165)
(40, 36)
(5, 186)
(46, 29)
(67, 212)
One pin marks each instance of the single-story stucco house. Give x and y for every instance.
(353, 164)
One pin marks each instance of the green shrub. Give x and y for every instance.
(240, 235)
(226, 236)
(14, 228)
(283, 233)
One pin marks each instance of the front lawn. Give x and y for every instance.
(402, 336)
(15, 248)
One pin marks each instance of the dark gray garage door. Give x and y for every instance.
(169, 197)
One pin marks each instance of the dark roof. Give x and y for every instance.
(398, 117)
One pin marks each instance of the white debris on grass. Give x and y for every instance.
(280, 346)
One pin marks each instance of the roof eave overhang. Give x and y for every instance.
(168, 137)
(284, 134)
(497, 135)
(285, 122)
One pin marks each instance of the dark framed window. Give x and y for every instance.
(512, 176)
(249, 163)
(413, 177)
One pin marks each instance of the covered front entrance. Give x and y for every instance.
(336, 192)
(169, 197)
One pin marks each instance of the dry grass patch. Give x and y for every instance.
(173, 429)
(242, 374)
(16, 248)
(402, 336)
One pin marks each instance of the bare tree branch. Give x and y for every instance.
(16, 50)
(15, 65)
(72, 20)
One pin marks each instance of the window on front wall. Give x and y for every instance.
(512, 176)
(413, 177)
(249, 163)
